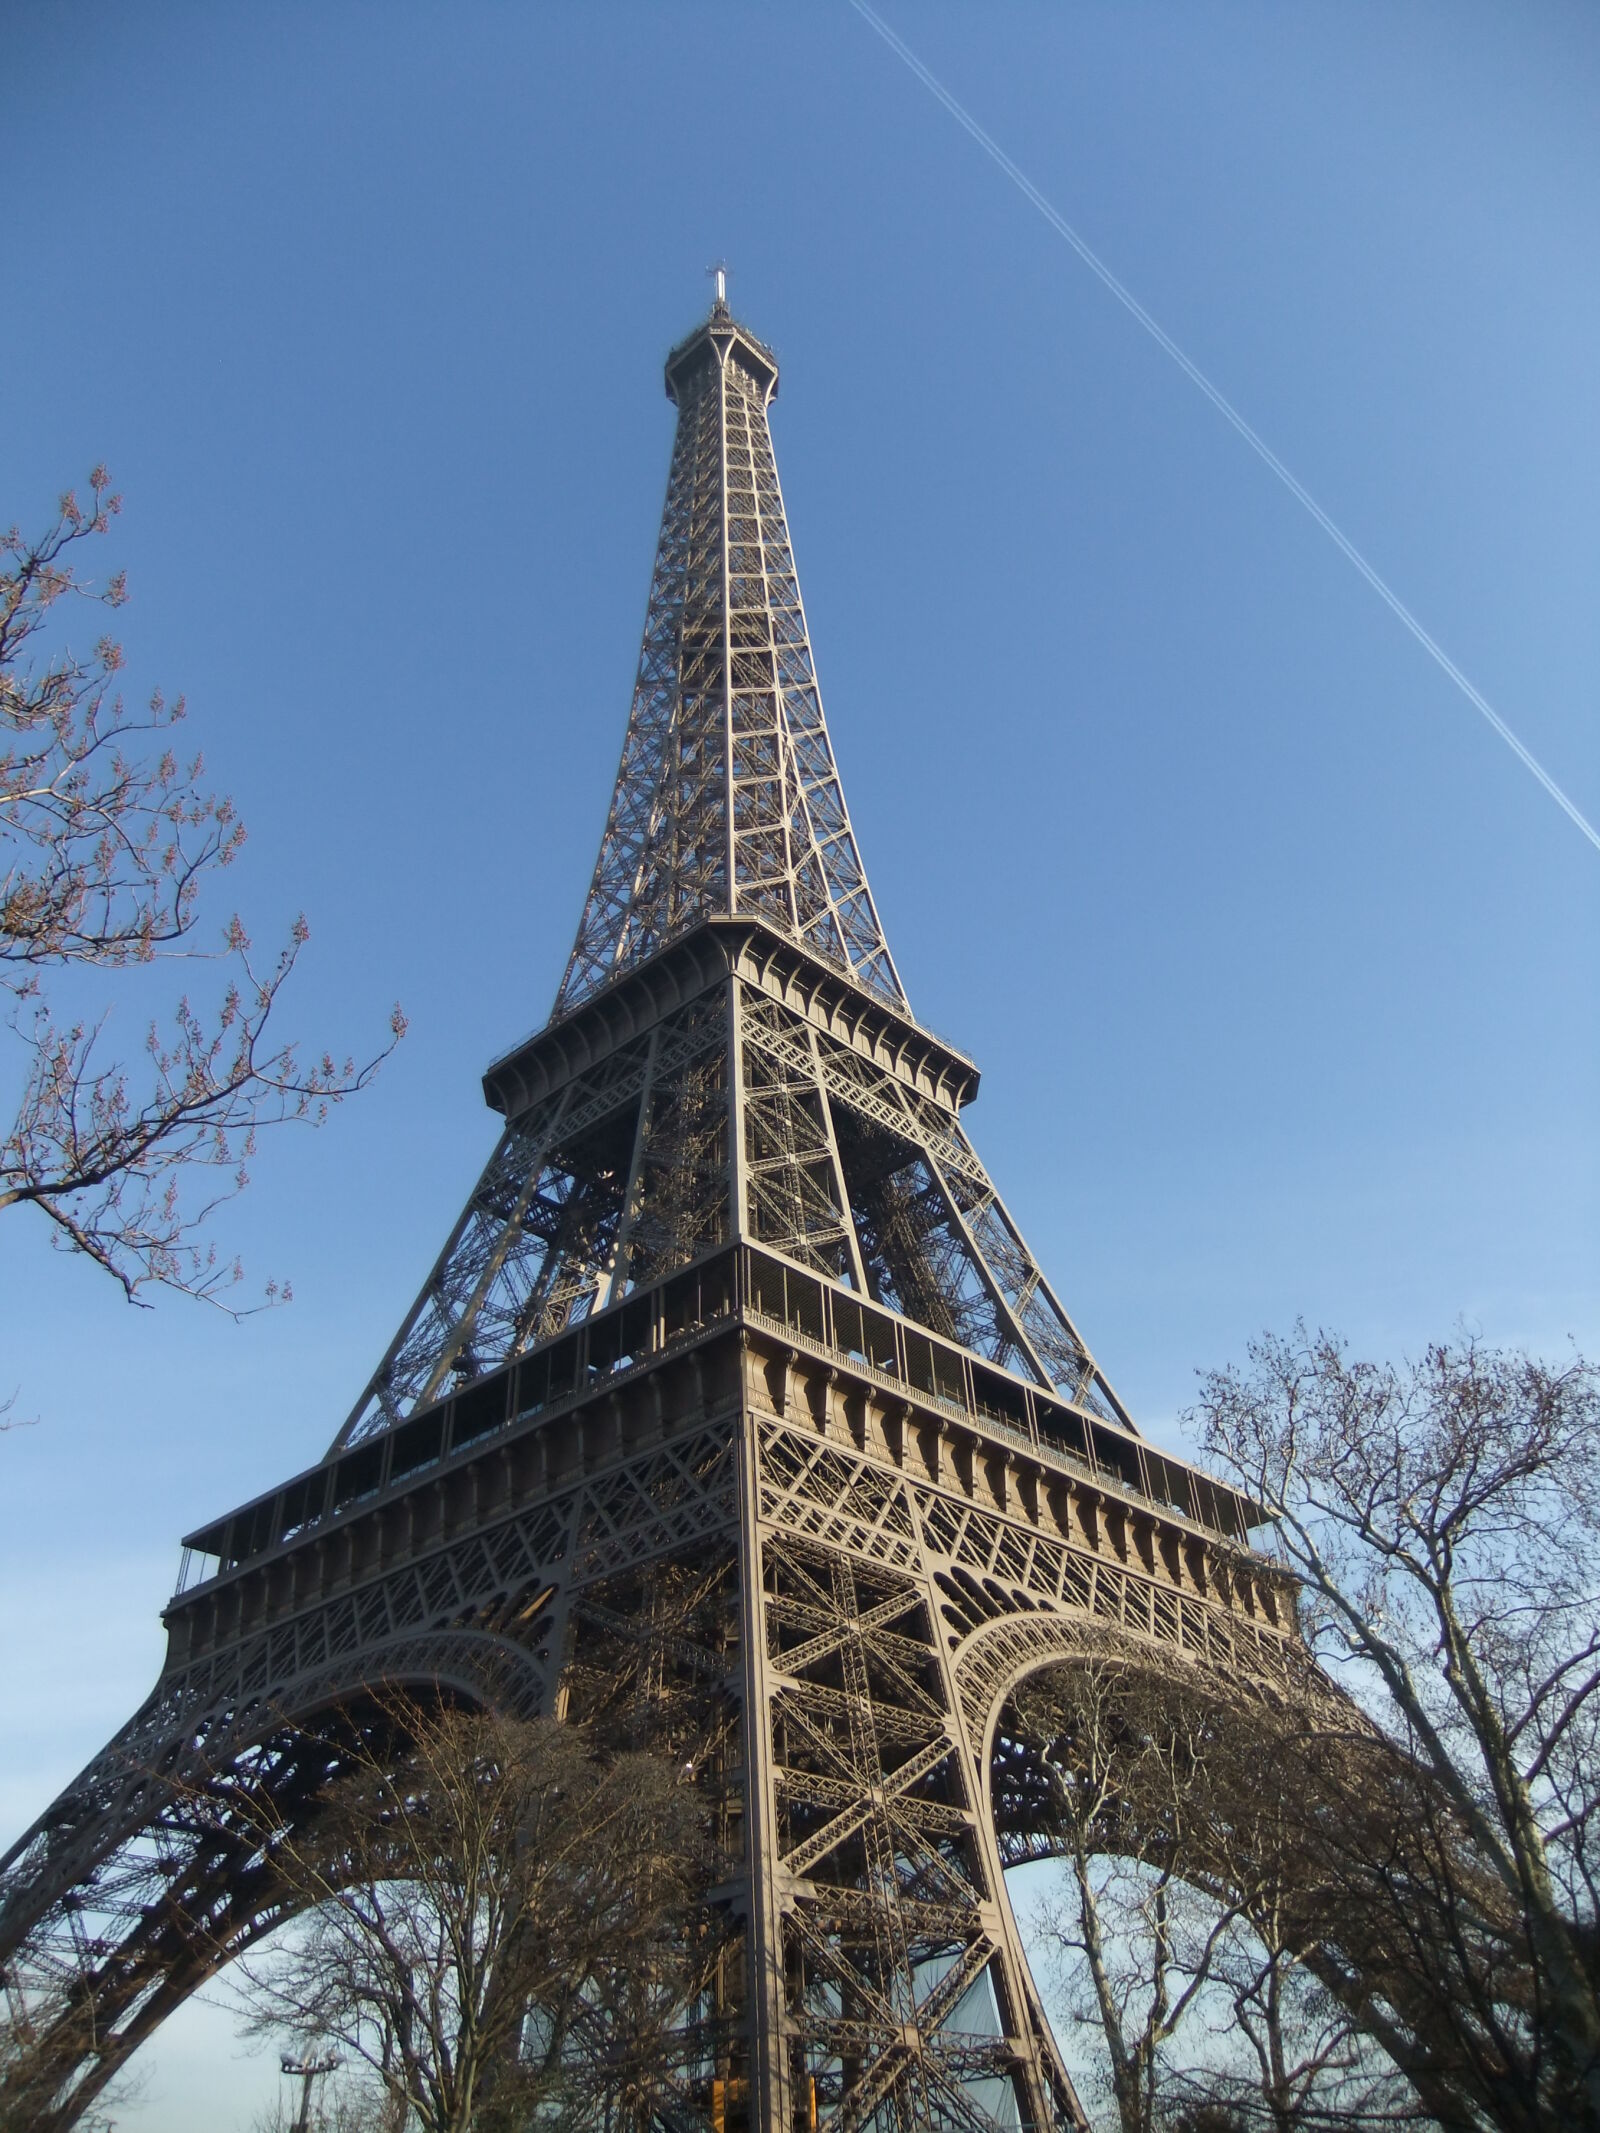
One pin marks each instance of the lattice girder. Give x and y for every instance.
(756, 1572)
(735, 1417)
(629, 1169)
(727, 800)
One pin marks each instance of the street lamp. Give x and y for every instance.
(308, 2070)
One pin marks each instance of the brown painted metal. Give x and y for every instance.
(735, 1416)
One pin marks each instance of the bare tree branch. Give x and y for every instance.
(107, 841)
(495, 1920)
(1195, 1897)
(1443, 1522)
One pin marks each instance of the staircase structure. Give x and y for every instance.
(735, 1415)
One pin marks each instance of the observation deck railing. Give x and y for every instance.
(817, 1315)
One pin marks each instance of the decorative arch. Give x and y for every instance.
(1359, 1790)
(189, 1890)
(1001, 1654)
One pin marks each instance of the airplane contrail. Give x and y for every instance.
(1225, 407)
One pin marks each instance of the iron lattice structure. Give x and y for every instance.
(735, 1416)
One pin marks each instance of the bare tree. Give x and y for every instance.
(495, 1921)
(1283, 2053)
(337, 2104)
(1189, 1907)
(30, 2009)
(107, 840)
(1120, 1753)
(1443, 1522)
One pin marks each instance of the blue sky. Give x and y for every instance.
(1280, 968)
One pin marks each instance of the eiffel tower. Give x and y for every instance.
(735, 1414)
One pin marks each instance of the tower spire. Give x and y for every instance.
(727, 800)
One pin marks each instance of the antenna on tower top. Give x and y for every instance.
(719, 274)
